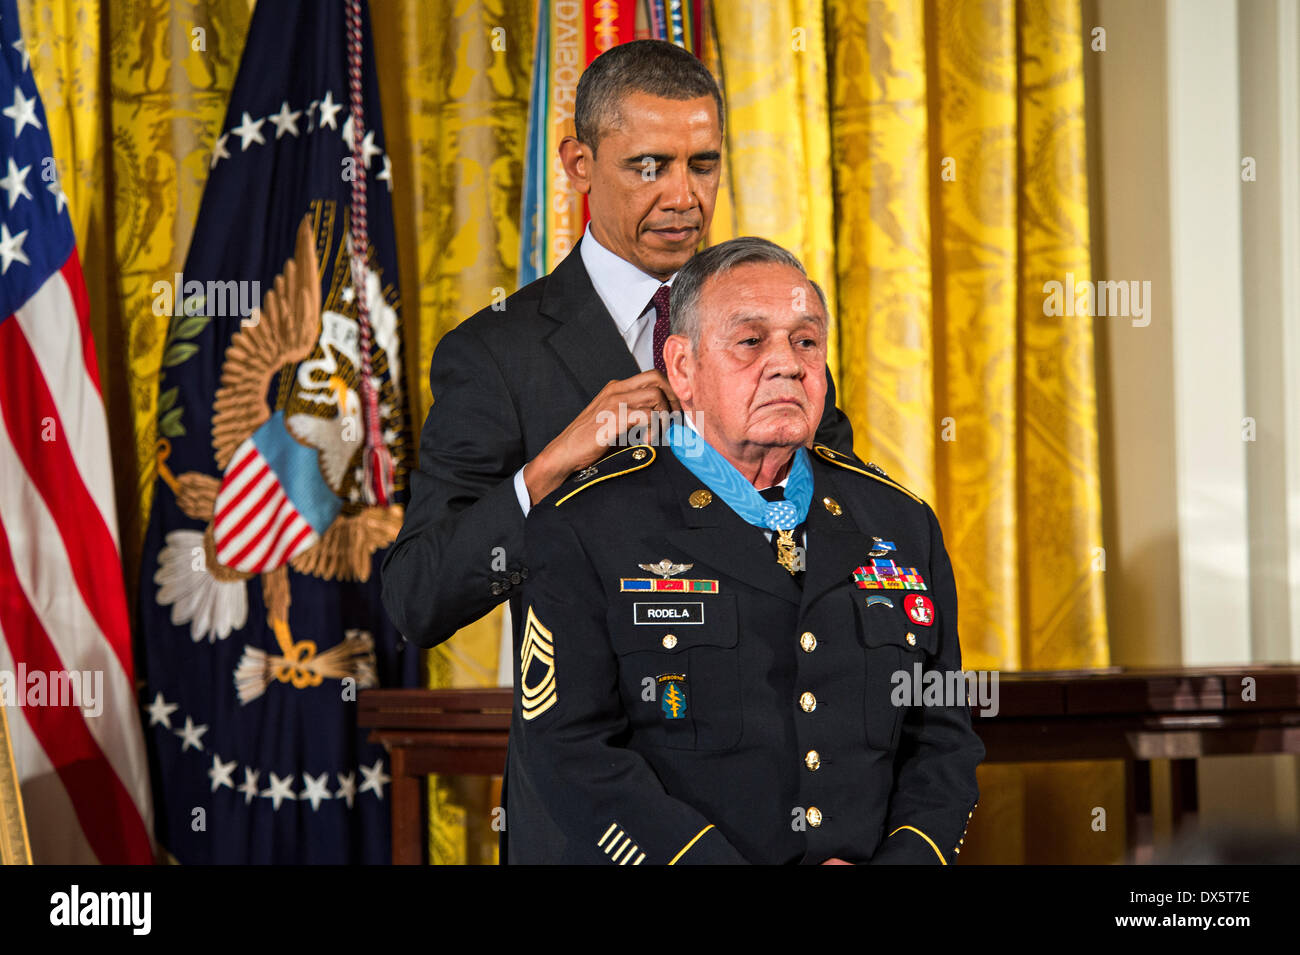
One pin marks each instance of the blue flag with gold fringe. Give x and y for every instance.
(282, 453)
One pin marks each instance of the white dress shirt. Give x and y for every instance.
(627, 293)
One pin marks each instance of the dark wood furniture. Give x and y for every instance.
(1135, 715)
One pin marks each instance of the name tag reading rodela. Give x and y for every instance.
(675, 613)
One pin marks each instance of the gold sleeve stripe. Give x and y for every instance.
(826, 454)
(686, 848)
(926, 838)
(637, 467)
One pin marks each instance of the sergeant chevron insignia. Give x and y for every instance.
(536, 669)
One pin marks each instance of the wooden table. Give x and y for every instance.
(1136, 715)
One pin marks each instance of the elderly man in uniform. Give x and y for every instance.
(523, 390)
(716, 630)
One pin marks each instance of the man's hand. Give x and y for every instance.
(589, 437)
(833, 861)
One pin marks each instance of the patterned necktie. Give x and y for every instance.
(660, 302)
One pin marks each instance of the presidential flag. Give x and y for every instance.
(282, 453)
(67, 678)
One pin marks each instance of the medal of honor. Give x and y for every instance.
(786, 551)
(779, 517)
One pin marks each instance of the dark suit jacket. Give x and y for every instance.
(505, 383)
(781, 739)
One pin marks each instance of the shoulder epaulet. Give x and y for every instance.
(623, 461)
(850, 463)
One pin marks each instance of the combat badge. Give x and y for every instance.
(672, 695)
(880, 548)
(666, 570)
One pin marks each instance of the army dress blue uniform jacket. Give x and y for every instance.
(743, 718)
(504, 382)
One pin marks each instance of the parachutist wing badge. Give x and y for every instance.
(665, 568)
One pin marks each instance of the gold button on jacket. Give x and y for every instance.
(659, 700)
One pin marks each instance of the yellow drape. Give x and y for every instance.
(455, 113)
(959, 190)
(776, 182)
(455, 97)
(923, 157)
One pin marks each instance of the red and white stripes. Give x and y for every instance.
(62, 601)
(256, 527)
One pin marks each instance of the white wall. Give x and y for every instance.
(1202, 526)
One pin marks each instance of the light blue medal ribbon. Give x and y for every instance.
(724, 480)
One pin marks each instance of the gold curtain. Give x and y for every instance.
(958, 145)
(455, 87)
(135, 93)
(455, 113)
(776, 179)
(923, 157)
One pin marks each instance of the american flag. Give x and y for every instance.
(64, 630)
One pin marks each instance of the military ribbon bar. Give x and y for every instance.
(681, 586)
(886, 575)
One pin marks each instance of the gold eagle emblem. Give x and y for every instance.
(282, 345)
